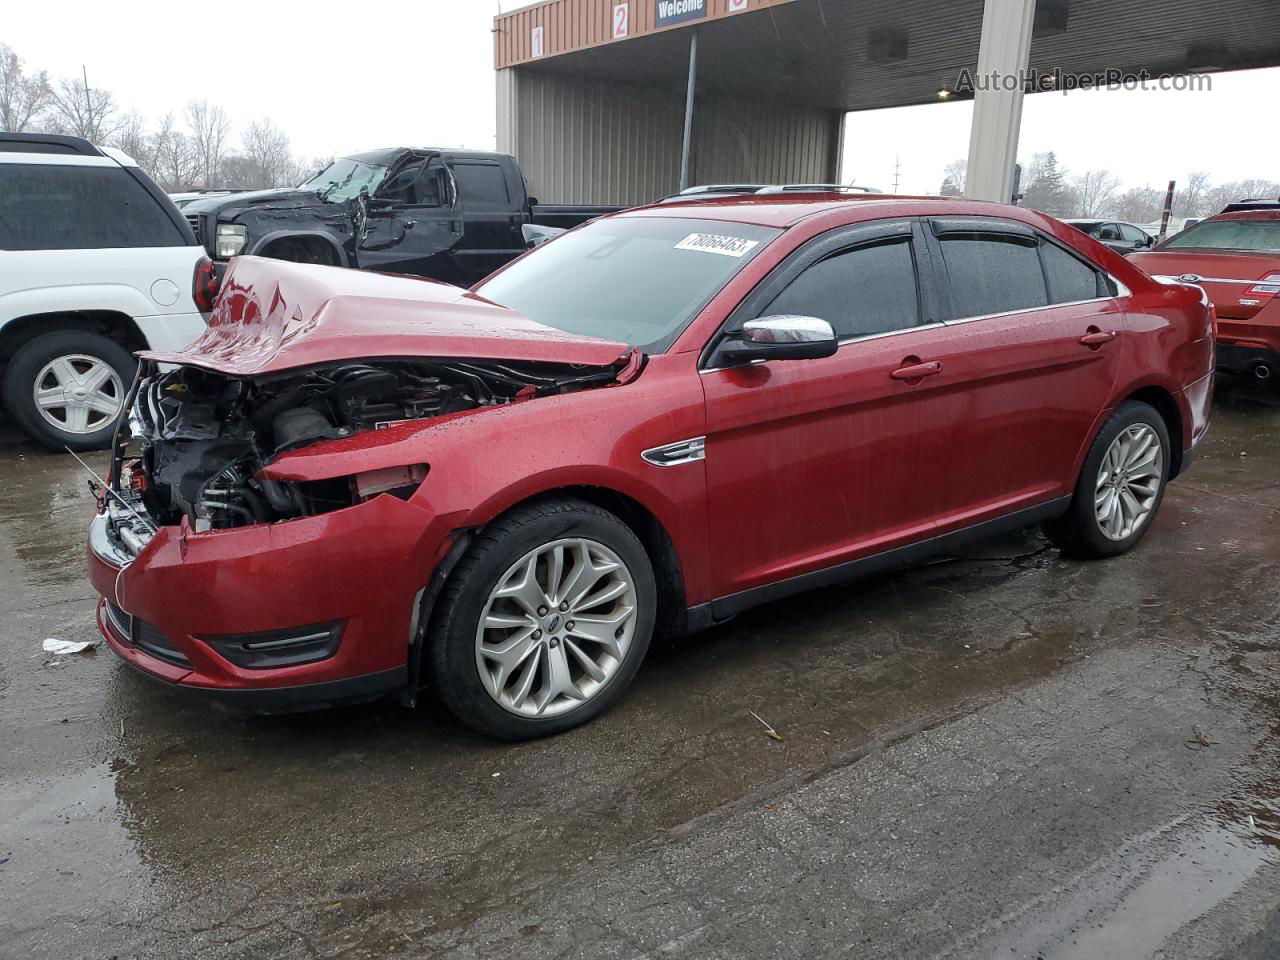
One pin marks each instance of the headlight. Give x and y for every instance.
(229, 240)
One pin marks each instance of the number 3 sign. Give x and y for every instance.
(736, 6)
(621, 18)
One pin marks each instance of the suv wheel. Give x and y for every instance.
(67, 389)
(1120, 486)
(544, 622)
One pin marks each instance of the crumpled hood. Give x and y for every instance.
(233, 204)
(272, 315)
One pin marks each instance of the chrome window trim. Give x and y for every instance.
(677, 453)
(1124, 291)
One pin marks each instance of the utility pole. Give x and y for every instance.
(897, 171)
(88, 104)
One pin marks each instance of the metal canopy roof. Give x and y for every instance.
(865, 54)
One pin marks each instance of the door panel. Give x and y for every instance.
(810, 463)
(1026, 386)
(814, 462)
(493, 218)
(1026, 394)
(411, 220)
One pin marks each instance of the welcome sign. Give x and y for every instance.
(678, 11)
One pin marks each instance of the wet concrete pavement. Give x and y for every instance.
(1004, 754)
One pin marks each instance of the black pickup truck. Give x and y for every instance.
(452, 215)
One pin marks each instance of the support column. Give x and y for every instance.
(997, 107)
(688, 109)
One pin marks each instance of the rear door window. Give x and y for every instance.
(61, 207)
(862, 291)
(481, 184)
(993, 273)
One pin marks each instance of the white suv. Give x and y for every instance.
(95, 263)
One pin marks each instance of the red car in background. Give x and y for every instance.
(357, 485)
(1235, 257)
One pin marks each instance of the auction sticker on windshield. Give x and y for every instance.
(714, 243)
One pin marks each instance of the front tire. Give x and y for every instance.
(1120, 487)
(544, 622)
(67, 389)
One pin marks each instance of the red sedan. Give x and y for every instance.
(1236, 258)
(357, 485)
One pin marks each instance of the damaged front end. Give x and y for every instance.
(196, 442)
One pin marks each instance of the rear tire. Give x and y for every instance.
(82, 379)
(1120, 487)
(544, 622)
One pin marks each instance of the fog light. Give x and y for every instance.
(279, 648)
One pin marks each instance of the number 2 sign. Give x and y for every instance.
(621, 18)
(736, 6)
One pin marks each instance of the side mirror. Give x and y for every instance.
(780, 337)
(535, 234)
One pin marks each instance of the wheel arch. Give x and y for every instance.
(310, 236)
(114, 324)
(670, 621)
(1164, 403)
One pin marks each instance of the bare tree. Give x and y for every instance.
(22, 96)
(172, 156)
(1189, 201)
(266, 148)
(208, 127)
(1140, 205)
(133, 138)
(1095, 192)
(81, 111)
(953, 178)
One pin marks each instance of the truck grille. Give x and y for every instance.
(194, 220)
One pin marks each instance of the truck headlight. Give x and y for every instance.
(229, 240)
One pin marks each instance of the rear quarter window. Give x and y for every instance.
(1070, 278)
(79, 208)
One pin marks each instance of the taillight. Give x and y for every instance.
(1269, 285)
(204, 285)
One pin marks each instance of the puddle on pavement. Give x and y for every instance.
(1136, 899)
(46, 505)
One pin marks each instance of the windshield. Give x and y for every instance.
(1248, 235)
(344, 178)
(639, 280)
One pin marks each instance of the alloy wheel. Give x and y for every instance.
(556, 628)
(78, 393)
(1129, 481)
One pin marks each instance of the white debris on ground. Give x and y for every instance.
(63, 648)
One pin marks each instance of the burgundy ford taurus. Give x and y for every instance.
(356, 486)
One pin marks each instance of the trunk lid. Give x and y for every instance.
(272, 315)
(1235, 282)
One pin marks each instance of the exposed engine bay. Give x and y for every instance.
(198, 440)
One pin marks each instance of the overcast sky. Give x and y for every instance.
(341, 77)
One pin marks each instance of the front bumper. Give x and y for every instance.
(363, 567)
